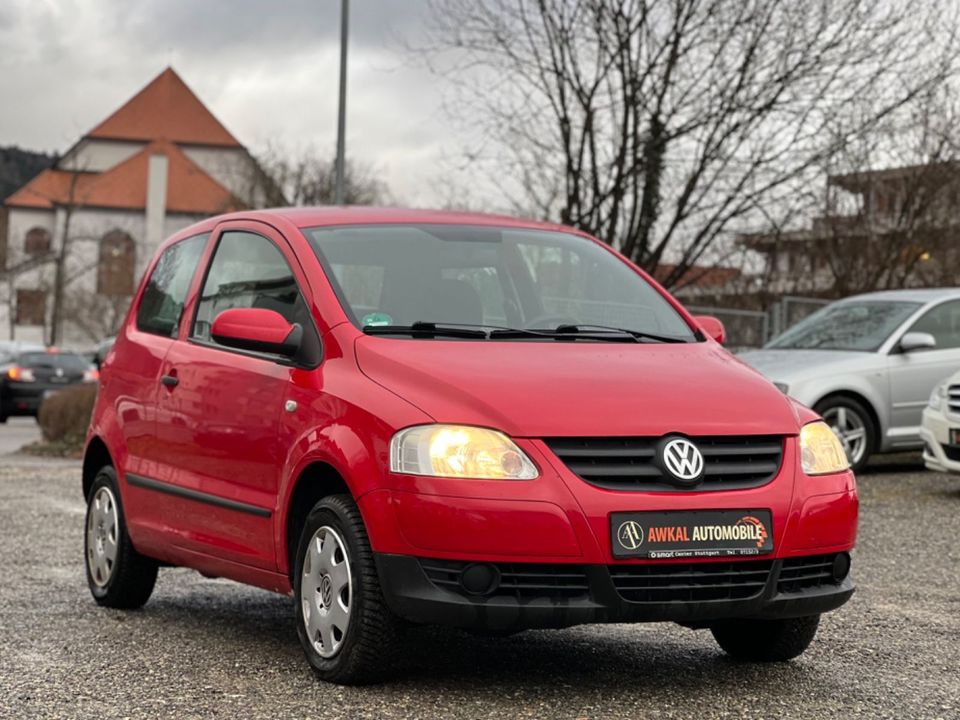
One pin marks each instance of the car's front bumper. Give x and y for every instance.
(937, 449)
(553, 596)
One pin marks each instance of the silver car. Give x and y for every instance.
(868, 364)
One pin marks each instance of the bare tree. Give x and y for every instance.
(655, 124)
(308, 178)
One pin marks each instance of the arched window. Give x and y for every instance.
(36, 243)
(116, 267)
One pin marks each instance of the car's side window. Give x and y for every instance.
(161, 307)
(943, 322)
(248, 271)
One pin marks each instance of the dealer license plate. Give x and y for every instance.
(699, 533)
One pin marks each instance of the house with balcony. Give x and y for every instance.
(897, 227)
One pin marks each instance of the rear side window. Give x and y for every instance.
(162, 305)
(248, 271)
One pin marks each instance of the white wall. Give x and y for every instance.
(98, 155)
(233, 168)
(87, 226)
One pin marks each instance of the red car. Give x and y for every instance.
(406, 417)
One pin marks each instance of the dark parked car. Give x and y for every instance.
(27, 377)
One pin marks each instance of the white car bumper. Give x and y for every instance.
(938, 453)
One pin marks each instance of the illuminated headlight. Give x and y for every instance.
(820, 450)
(937, 396)
(459, 451)
(782, 387)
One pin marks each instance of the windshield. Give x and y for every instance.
(399, 275)
(860, 325)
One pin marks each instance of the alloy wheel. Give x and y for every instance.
(850, 429)
(326, 591)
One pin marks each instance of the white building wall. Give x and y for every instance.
(233, 168)
(87, 226)
(98, 155)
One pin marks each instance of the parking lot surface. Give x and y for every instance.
(211, 648)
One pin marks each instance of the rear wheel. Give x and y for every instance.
(766, 640)
(346, 630)
(118, 576)
(853, 425)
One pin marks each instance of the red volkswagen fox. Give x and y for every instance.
(402, 417)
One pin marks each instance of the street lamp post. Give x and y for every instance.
(342, 112)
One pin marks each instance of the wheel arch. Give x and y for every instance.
(319, 479)
(95, 457)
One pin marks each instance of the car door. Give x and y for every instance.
(913, 375)
(221, 406)
(132, 383)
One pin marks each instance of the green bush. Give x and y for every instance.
(65, 415)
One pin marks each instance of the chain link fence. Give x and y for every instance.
(754, 328)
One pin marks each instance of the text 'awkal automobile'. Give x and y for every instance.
(409, 417)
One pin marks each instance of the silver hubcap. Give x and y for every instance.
(850, 429)
(326, 591)
(102, 529)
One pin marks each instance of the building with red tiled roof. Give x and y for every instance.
(157, 164)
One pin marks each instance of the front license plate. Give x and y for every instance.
(955, 436)
(699, 533)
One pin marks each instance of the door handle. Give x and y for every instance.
(170, 381)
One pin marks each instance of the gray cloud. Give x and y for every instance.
(268, 70)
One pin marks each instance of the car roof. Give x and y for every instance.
(921, 295)
(305, 217)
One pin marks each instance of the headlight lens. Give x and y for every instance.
(937, 396)
(820, 450)
(459, 451)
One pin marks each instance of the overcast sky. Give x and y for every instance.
(267, 70)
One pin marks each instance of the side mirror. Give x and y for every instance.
(258, 330)
(913, 341)
(712, 327)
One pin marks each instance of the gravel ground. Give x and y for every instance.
(211, 648)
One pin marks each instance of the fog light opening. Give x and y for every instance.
(480, 579)
(841, 567)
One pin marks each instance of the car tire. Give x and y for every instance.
(851, 414)
(336, 585)
(118, 576)
(766, 640)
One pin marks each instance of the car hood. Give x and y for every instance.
(787, 365)
(543, 389)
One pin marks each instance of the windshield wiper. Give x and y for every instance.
(590, 329)
(427, 329)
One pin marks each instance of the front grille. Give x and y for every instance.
(691, 582)
(806, 573)
(953, 399)
(522, 581)
(952, 452)
(631, 463)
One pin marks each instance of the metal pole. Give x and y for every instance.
(342, 114)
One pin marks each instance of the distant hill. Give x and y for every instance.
(17, 167)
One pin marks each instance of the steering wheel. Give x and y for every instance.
(549, 321)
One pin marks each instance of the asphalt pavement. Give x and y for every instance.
(214, 649)
(17, 432)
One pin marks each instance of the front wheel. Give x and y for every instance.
(346, 630)
(766, 640)
(852, 424)
(118, 576)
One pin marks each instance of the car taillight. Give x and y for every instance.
(91, 375)
(20, 374)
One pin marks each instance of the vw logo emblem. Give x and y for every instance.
(683, 460)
